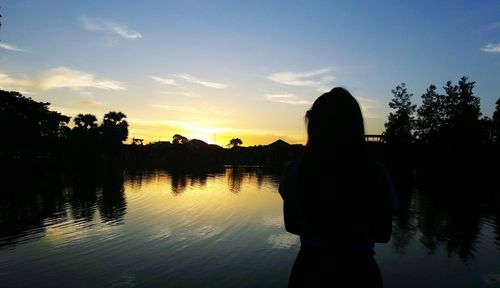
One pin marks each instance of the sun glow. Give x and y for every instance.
(152, 131)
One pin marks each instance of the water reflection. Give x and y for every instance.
(236, 174)
(31, 201)
(404, 226)
(444, 213)
(227, 216)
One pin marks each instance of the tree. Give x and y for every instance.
(496, 123)
(487, 129)
(28, 124)
(431, 116)
(55, 125)
(179, 139)
(85, 134)
(85, 122)
(235, 142)
(462, 113)
(114, 127)
(137, 141)
(399, 126)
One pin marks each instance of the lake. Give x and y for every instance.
(217, 228)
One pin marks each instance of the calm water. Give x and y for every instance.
(222, 228)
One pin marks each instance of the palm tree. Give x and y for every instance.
(85, 122)
(85, 134)
(114, 127)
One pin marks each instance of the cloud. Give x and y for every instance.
(192, 79)
(314, 79)
(287, 98)
(491, 48)
(59, 77)
(181, 93)
(492, 26)
(11, 47)
(165, 81)
(97, 24)
(9, 83)
(62, 77)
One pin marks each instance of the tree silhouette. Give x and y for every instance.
(400, 122)
(463, 112)
(114, 127)
(85, 122)
(487, 129)
(85, 135)
(496, 123)
(450, 100)
(28, 124)
(179, 139)
(235, 142)
(137, 141)
(431, 116)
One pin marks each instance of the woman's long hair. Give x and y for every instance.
(334, 164)
(335, 125)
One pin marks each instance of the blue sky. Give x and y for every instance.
(248, 69)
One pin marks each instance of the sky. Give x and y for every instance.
(217, 70)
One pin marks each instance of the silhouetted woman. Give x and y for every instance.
(338, 200)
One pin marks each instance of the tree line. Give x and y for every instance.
(30, 126)
(453, 118)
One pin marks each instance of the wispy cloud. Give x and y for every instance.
(165, 81)
(63, 77)
(491, 48)
(99, 24)
(492, 26)
(181, 93)
(59, 77)
(11, 47)
(315, 79)
(287, 98)
(192, 79)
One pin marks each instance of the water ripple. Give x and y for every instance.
(283, 240)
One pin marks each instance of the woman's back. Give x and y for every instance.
(334, 194)
(342, 203)
(336, 198)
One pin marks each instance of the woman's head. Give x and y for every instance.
(335, 121)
